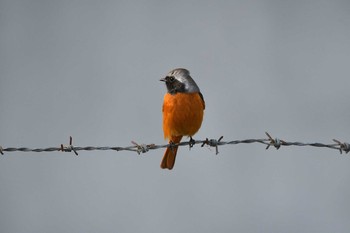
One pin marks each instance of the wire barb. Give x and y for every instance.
(213, 143)
(2, 153)
(344, 146)
(142, 148)
(277, 143)
(70, 147)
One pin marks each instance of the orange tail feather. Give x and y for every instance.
(170, 154)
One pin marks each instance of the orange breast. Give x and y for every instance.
(182, 114)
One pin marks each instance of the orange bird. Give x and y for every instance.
(183, 109)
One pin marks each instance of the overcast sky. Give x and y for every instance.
(91, 70)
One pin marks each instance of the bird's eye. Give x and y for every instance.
(171, 78)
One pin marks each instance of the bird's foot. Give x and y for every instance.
(191, 142)
(172, 146)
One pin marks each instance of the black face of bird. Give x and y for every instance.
(173, 85)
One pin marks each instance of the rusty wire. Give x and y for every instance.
(143, 148)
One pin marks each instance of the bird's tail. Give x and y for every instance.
(170, 154)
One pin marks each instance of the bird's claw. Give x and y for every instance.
(192, 142)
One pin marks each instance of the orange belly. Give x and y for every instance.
(182, 114)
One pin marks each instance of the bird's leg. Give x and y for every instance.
(171, 146)
(191, 142)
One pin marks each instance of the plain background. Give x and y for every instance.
(91, 69)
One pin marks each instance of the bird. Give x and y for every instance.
(183, 110)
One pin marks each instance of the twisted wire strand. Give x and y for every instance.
(143, 148)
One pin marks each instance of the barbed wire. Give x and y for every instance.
(143, 148)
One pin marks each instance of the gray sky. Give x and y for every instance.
(90, 69)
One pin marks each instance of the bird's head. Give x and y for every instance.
(179, 80)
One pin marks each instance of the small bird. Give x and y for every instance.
(183, 110)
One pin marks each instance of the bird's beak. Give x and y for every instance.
(162, 79)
